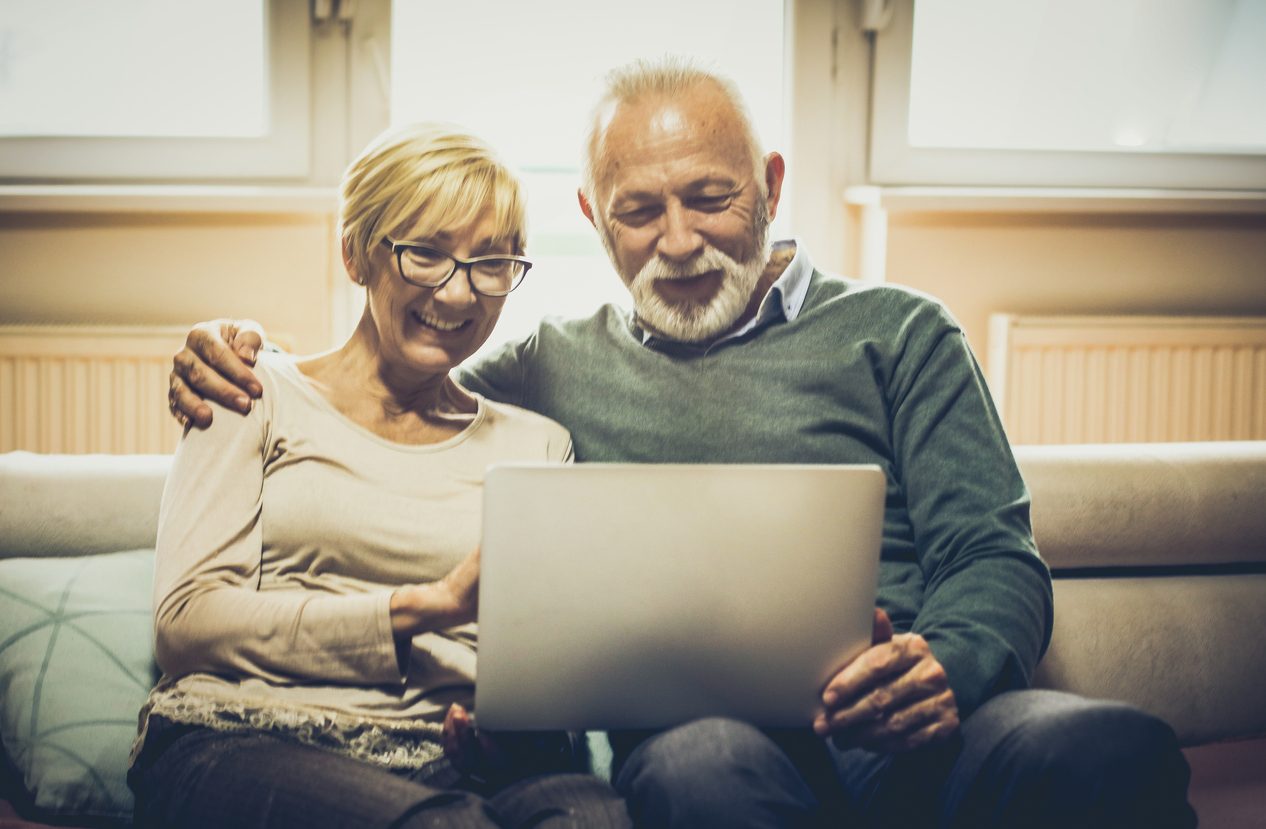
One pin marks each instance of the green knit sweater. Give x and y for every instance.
(864, 374)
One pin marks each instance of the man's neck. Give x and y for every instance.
(779, 260)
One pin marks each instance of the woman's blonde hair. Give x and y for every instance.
(433, 173)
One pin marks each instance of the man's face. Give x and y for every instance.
(681, 212)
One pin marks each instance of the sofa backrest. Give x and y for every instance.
(1148, 504)
(74, 505)
(1159, 558)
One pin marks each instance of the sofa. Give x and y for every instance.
(1158, 553)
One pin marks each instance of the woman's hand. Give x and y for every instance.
(451, 601)
(470, 751)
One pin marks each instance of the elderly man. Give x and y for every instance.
(740, 352)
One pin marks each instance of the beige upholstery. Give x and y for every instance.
(1189, 649)
(76, 505)
(1141, 504)
(1182, 638)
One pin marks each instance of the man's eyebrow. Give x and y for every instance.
(711, 181)
(690, 188)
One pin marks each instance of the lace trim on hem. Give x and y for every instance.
(408, 745)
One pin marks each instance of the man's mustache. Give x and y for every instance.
(709, 260)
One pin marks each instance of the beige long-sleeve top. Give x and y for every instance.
(281, 537)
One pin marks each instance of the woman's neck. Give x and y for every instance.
(392, 399)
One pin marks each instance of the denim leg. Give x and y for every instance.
(1032, 759)
(1024, 759)
(207, 779)
(716, 772)
(1050, 759)
(561, 801)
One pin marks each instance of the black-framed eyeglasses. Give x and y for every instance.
(429, 267)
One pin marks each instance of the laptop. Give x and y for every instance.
(621, 596)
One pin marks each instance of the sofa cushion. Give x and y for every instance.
(1188, 649)
(76, 664)
(1161, 505)
(74, 505)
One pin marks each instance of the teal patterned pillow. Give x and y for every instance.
(76, 664)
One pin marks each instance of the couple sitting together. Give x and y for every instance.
(318, 561)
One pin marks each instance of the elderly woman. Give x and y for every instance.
(317, 572)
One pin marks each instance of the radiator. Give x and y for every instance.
(81, 389)
(1128, 379)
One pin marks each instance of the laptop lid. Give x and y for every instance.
(618, 596)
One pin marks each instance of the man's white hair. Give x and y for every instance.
(665, 76)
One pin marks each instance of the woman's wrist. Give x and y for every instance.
(409, 613)
(422, 607)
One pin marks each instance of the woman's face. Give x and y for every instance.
(435, 329)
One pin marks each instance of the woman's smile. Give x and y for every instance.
(437, 324)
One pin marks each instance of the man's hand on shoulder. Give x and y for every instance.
(893, 697)
(214, 364)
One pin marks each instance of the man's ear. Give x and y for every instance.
(349, 264)
(775, 170)
(585, 207)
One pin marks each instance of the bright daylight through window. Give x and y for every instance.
(525, 80)
(1185, 76)
(134, 68)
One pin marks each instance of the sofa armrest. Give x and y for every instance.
(73, 505)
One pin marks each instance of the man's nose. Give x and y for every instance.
(457, 292)
(680, 239)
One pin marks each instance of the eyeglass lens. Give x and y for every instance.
(428, 267)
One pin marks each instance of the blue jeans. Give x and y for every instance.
(1027, 759)
(196, 778)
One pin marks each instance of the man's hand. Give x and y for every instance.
(893, 697)
(213, 364)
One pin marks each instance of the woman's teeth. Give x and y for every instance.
(437, 324)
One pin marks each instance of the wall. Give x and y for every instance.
(170, 269)
(1088, 263)
(177, 269)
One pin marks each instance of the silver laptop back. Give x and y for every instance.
(639, 596)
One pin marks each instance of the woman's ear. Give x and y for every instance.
(349, 263)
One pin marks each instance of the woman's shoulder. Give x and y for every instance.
(277, 368)
(527, 428)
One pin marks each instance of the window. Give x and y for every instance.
(525, 80)
(1089, 93)
(148, 89)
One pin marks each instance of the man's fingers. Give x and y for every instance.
(903, 722)
(875, 707)
(192, 381)
(872, 667)
(186, 406)
(937, 721)
(247, 340)
(881, 631)
(210, 347)
(923, 679)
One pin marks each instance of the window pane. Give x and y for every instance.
(133, 68)
(1172, 76)
(524, 75)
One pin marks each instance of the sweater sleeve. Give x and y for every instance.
(210, 614)
(987, 606)
(499, 376)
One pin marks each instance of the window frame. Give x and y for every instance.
(893, 161)
(285, 153)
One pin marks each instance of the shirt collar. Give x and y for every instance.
(785, 296)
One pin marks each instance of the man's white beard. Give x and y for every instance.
(693, 322)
